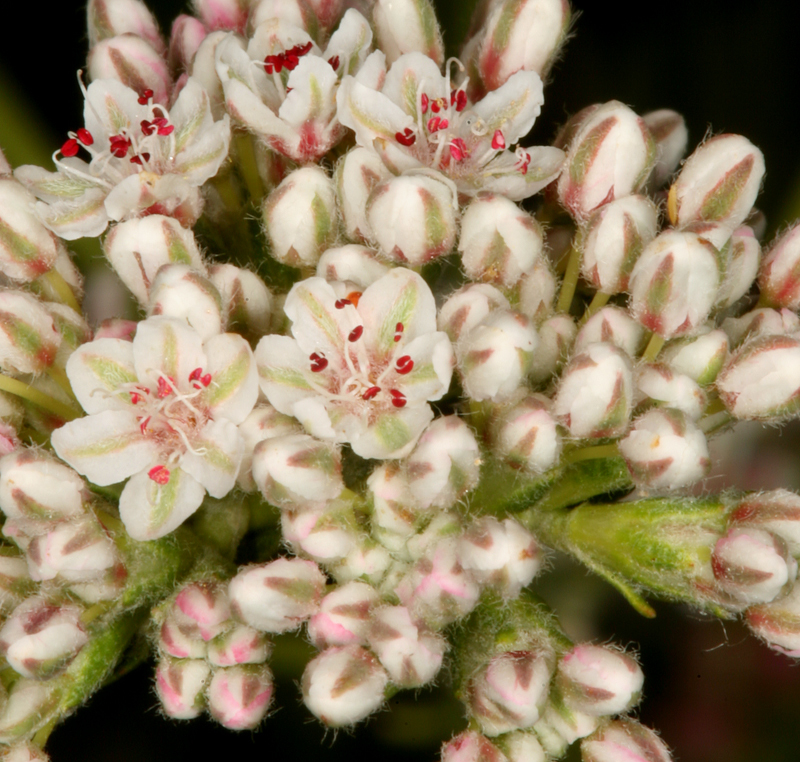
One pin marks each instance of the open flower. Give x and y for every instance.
(143, 159)
(164, 410)
(359, 369)
(418, 120)
(283, 87)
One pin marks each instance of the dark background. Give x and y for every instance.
(713, 692)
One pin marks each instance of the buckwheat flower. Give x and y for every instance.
(359, 369)
(471, 746)
(282, 87)
(612, 325)
(344, 615)
(418, 121)
(163, 409)
(778, 280)
(239, 697)
(701, 357)
(180, 684)
(141, 158)
(627, 740)
(668, 129)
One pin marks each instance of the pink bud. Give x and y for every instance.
(29, 339)
(471, 746)
(763, 321)
(344, 616)
(395, 510)
(180, 639)
(184, 40)
(611, 325)
(701, 358)
(179, 291)
(526, 435)
(468, 307)
(556, 337)
(325, 534)
(670, 389)
(537, 291)
(777, 623)
(521, 746)
(109, 18)
(741, 261)
(230, 15)
(407, 26)
(668, 129)
(239, 697)
(351, 263)
(779, 278)
(777, 511)
(204, 607)
(357, 174)
(624, 741)
(239, 645)
(180, 684)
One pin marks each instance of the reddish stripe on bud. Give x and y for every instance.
(356, 333)
(159, 474)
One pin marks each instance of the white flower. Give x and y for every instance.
(416, 121)
(142, 159)
(163, 409)
(360, 369)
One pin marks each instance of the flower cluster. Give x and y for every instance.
(356, 358)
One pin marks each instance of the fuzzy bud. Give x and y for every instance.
(674, 284)
(594, 397)
(612, 240)
(670, 389)
(239, 697)
(407, 26)
(395, 511)
(29, 338)
(526, 435)
(520, 746)
(24, 752)
(779, 277)
(264, 422)
(324, 533)
(203, 608)
(184, 40)
(180, 684)
(741, 261)
(468, 307)
(777, 511)
(109, 18)
(470, 746)
(777, 623)
(624, 741)
(356, 176)
(344, 616)
(556, 337)
(343, 685)
(537, 291)
(246, 301)
(238, 645)
(31, 703)
(761, 322)
(222, 14)
(700, 358)
(15, 583)
(300, 217)
(179, 291)
(596, 171)
(277, 596)
(351, 263)
(412, 218)
(499, 241)
(668, 129)
(611, 325)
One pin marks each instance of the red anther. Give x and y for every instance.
(398, 332)
(406, 137)
(290, 61)
(334, 62)
(424, 102)
(436, 123)
(355, 334)
(273, 64)
(148, 128)
(398, 398)
(70, 147)
(166, 129)
(370, 393)
(165, 387)
(459, 99)
(145, 97)
(458, 149)
(301, 50)
(85, 136)
(136, 398)
(436, 105)
(206, 380)
(195, 374)
(143, 425)
(142, 157)
(340, 304)
(404, 365)
(318, 362)
(119, 145)
(527, 160)
(498, 140)
(159, 474)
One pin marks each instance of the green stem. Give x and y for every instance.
(653, 348)
(248, 166)
(590, 453)
(59, 375)
(570, 282)
(53, 282)
(599, 300)
(40, 399)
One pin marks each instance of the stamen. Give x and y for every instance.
(406, 137)
(354, 297)
(166, 386)
(334, 62)
(498, 140)
(371, 392)
(85, 136)
(398, 398)
(458, 149)
(525, 159)
(355, 334)
(398, 331)
(404, 365)
(119, 145)
(159, 474)
(145, 97)
(318, 362)
(143, 425)
(140, 158)
(458, 98)
(424, 103)
(70, 147)
(340, 304)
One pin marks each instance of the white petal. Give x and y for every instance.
(283, 374)
(218, 451)
(513, 107)
(317, 325)
(81, 217)
(368, 113)
(393, 434)
(167, 347)
(351, 40)
(405, 77)
(233, 391)
(203, 158)
(313, 93)
(433, 368)
(110, 108)
(97, 370)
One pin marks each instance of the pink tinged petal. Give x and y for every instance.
(373, 72)
(392, 434)
(106, 448)
(233, 390)
(399, 297)
(83, 216)
(368, 113)
(351, 40)
(151, 510)
(165, 347)
(97, 370)
(144, 189)
(314, 415)
(284, 373)
(513, 107)
(395, 156)
(503, 176)
(218, 452)
(405, 77)
(110, 108)
(317, 325)
(312, 96)
(433, 361)
(191, 115)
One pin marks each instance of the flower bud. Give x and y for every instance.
(674, 284)
(343, 685)
(297, 470)
(624, 740)
(185, 38)
(180, 684)
(470, 746)
(239, 645)
(612, 240)
(410, 654)
(246, 300)
(179, 291)
(204, 71)
(395, 511)
(741, 259)
(277, 596)
(180, 638)
(597, 171)
(762, 380)
(537, 291)
(779, 277)
(412, 218)
(357, 174)
(344, 616)
(598, 680)
(560, 727)
(499, 241)
(239, 697)
(777, 511)
(133, 61)
(137, 248)
(673, 390)
(760, 322)
(24, 752)
(264, 422)
(39, 638)
(29, 339)
(109, 18)
(368, 560)
(203, 608)
(407, 26)
(700, 358)
(300, 217)
(594, 397)
(611, 325)
(468, 307)
(753, 565)
(718, 183)
(668, 129)
(777, 623)
(510, 692)
(15, 583)
(27, 248)
(496, 355)
(297, 13)
(353, 264)
(526, 436)
(325, 533)
(520, 746)
(230, 15)
(556, 336)
(31, 704)
(503, 555)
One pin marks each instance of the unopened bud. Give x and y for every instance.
(526, 435)
(777, 511)
(137, 248)
(612, 240)
(326, 534)
(669, 389)
(741, 261)
(412, 218)
(367, 560)
(537, 291)
(180, 684)
(300, 217)
(246, 300)
(29, 339)
(203, 608)
(556, 337)
(343, 685)
(611, 325)
(471, 746)
(31, 704)
(762, 380)
(410, 654)
(230, 15)
(15, 582)
(24, 752)
(503, 555)
(597, 171)
(761, 322)
(468, 307)
(674, 284)
(352, 264)
(344, 616)
(185, 38)
(701, 358)
(264, 422)
(668, 129)
(777, 623)
(520, 746)
(624, 741)
(133, 61)
(357, 174)
(239, 697)
(179, 639)
(109, 18)
(179, 291)
(239, 645)
(407, 26)
(277, 596)
(779, 278)
(718, 183)
(594, 398)
(499, 241)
